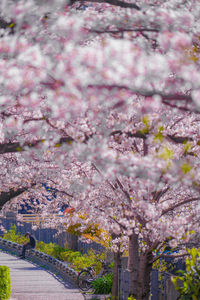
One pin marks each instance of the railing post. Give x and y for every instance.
(154, 285)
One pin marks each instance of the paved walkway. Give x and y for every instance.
(31, 282)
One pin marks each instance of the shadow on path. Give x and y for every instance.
(32, 282)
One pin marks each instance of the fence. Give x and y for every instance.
(49, 235)
(162, 287)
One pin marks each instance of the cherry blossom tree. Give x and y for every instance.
(100, 99)
(145, 193)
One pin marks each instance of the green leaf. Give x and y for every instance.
(187, 147)
(190, 288)
(19, 149)
(166, 154)
(145, 129)
(145, 120)
(186, 168)
(159, 136)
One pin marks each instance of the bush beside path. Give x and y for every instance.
(31, 282)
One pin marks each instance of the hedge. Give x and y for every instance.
(5, 283)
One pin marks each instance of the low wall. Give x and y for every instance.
(65, 272)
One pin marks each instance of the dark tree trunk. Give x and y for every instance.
(133, 264)
(144, 276)
(116, 273)
(140, 268)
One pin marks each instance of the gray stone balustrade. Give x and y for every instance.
(54, 264)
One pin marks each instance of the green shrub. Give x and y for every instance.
(14, 237)
(190, 279)
(46, 248)
(57, 251)
(72, 255)
(51, 249)
(64, 254)
(81, 262)
(103, 285)
(87, 260)
(5, 283)
(77, 260)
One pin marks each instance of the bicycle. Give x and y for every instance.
(87, 276)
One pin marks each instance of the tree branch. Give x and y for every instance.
(17, 147)
(168, 256)
(145, 147)
(124, 191)
(108, 182)
(179, 139)
(158, 194)
(183, 108)
(139, 134)
(169, 97)
(124, 30)
(111, 2)
(165, 211)
(7, 196)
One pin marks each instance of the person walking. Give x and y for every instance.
(30, 245)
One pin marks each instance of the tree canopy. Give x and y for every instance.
(100, 99)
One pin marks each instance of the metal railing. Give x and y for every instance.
(39, 219)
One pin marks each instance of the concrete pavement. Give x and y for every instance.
(31, 282)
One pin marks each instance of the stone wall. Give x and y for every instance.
(55, 265)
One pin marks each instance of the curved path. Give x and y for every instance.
(31, 282)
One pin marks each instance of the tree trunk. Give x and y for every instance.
(140, 270)
(133, 264)
(8, 196)
(116, 279)
(144, 276)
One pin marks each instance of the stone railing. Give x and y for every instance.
(54, 264)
